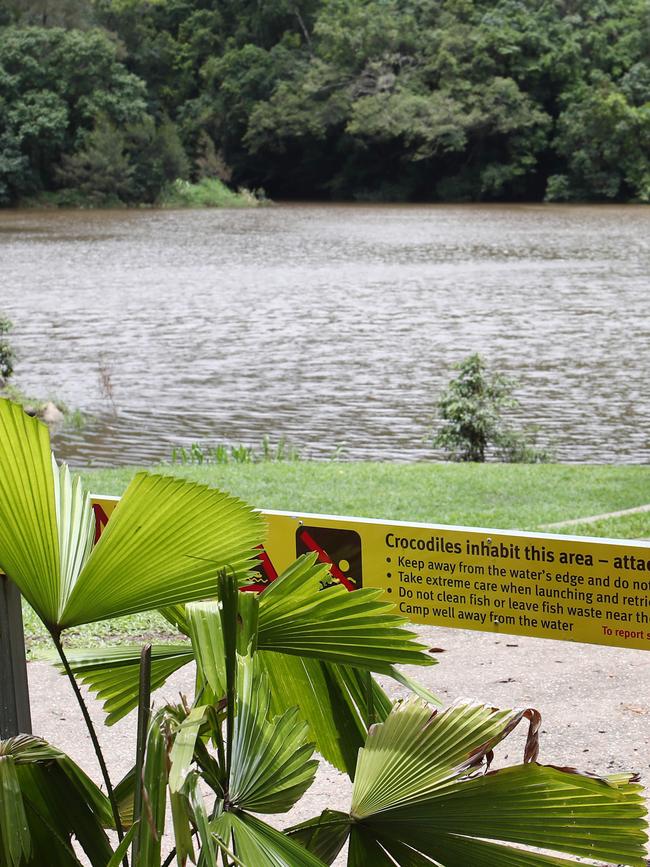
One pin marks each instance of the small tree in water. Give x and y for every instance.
(7, 355)
(472, 407)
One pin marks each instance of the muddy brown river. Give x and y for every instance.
(333, 326)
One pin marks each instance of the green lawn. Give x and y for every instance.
(507, 496)
(513, 496)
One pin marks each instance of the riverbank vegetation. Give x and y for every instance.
(347, 99)
(206, 193)
(50, 410)
(223, 453)
(7, 354)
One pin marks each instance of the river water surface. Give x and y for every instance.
(333, 326)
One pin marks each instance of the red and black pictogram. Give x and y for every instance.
(338, 547)
(265, 573)
(101, 519)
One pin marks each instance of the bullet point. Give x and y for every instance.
(389, 574)
(388, 559)
(390, 590)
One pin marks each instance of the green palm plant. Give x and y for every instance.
(422, 794)
(325, 644)
(162, 547)
(45, 800)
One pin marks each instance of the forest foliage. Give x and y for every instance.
(375, 100)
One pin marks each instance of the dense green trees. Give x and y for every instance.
(54, 85)
(72, 115)
(367, 99)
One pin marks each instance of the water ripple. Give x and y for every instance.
(331, 325)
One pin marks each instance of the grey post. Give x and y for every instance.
(15, 716)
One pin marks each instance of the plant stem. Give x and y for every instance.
(168, 860)
(144, 707)
(370, 700)
(217, 740)
(93, 737)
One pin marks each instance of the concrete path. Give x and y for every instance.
(591, 519)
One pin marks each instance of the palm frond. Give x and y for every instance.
(151, 826)
(331, 699)
(15, 839)
(46, 801)
(29, 536)
(417, 796)
(271, 759)
(112, 673)
(360, 629)
(201, 821)
(164, 544)
(117, 858)
(182, 751)
(76, 524)
(256, 843)
(324, 835)
(416, 749)
(532, 805)
(204, 625)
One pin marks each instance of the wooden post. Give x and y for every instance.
(15, 717)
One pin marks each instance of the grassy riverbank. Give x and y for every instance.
(513, 496)
(206, 193)
(506, 496)
(50, 409)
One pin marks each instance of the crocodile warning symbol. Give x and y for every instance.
(339, 547)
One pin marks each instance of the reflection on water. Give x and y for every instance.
(330, 325)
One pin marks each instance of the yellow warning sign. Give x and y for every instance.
(546, 586)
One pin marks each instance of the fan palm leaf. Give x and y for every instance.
(421, 797)
(46, 801)
(163, 545)
(272, 765)
(305, 633)
(257, 844)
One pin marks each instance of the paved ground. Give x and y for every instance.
(591, 519)
(595, 705)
